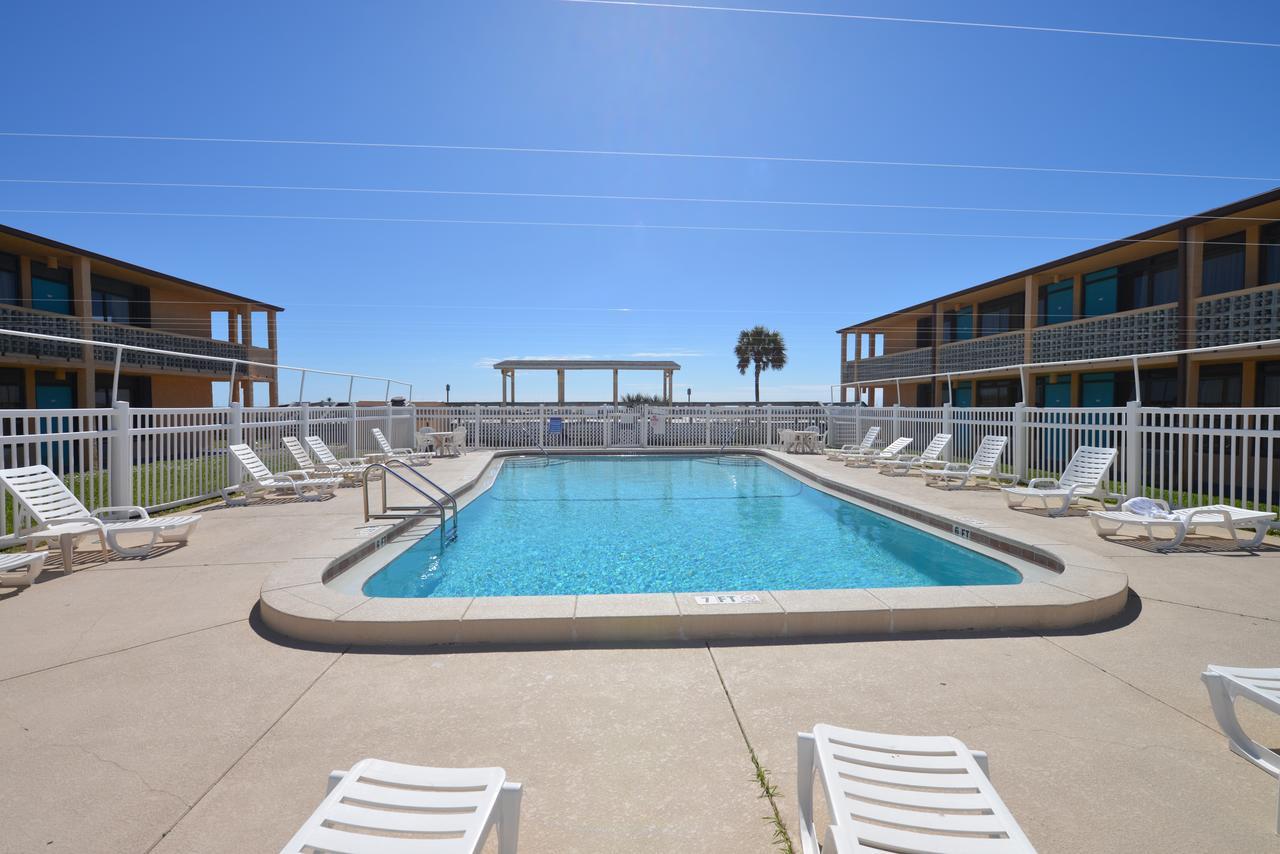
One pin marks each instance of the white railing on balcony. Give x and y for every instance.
(161, 458)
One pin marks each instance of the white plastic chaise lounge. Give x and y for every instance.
(1153, 514)
(430, 811)
(1080, 480)
(349, 474)
(329, 458)
(261, 481)
(59, 515)
(925, 794)
(1262, 686)
(864, 447)
(929, 459)
(889, 453)
(408, 455)
(20, 569)
(985, 465)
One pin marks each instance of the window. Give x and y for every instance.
(924, 331)
(1159, 386)
(1219, 385)
(999, 392)
(51, 289)
(1223, 268)
(957, 324)
(120, 302)
(1151, 281)
(1101, 292)
(962, 394)
(11, 388)
(1138, 284)
(924, 394)
(1002, 315)
(1057, 303)
(9, 292)
(1267, 387)
(1269, 254)
(134, 389)
(1115, 388)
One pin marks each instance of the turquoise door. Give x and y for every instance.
(55, 397)
(48, 295)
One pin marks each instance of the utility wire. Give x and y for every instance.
(763, 158)
(608, 197)
(930, 21)
(608, 225)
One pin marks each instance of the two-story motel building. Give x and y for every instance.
(51, 288)
(1204, 281)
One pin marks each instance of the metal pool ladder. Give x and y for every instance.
(443, 503)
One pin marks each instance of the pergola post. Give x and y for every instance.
(560, 385)
(615, 386)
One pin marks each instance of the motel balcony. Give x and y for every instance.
(1144, 330)
(1238, 317)
(49, 323)
(906, 363)
(976, 354)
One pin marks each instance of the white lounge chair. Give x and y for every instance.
(327, 457)
(349, 474)
(59, 515)
(1262, 686)
(262, 482)
(863, 447)
(1185, 521)
(921, 794)
(409, 455)
(985, 464)
(429, 810)
(786, 440)
(20, 570)
(1080, 480)
(890, 452)
(927, 460)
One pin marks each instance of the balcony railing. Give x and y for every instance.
(1238, 317)
(48, 323)
(907, 363)
(990, 351)
(1144, 330)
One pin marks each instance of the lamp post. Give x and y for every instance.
(446, 392)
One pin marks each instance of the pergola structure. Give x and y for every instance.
(509, 367)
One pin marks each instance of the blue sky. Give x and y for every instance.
(437, 302)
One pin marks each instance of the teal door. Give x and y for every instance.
(48, 295)
(55, 396)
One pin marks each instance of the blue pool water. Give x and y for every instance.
(645, 524)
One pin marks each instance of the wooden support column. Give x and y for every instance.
(82, 305)
(560, 385)
(615, 386)
(844, 359)
(246, 325)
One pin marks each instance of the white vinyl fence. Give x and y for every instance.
(161, 458)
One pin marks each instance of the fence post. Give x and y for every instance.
(897, 427)
(389, 429)
(708, 420)
(1133, 474)
(304, 420)
(644, 426)
(1020, 440)
(948, 427)
(235, 436)
(120, 460)
(352, 426)
(477, 417)
(857, 420)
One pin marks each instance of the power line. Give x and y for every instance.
(607, 197)
(930, 21)
(607, 225)
(762, 158)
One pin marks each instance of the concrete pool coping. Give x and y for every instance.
(1066, 594)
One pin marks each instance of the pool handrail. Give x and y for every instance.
(387, 467)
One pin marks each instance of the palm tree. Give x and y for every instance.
(762, 347)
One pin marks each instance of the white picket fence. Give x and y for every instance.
(161, 458)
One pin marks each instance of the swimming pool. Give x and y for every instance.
(646, 524)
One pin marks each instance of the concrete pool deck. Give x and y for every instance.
(145, 707)
(1059, 590)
